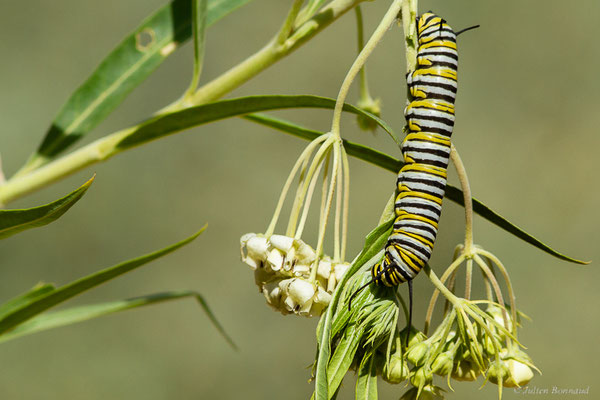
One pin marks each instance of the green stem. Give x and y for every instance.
(409, 14)
(440, 286)
(464, 183)
(271, 53)
(301, 194)
(387, 20)
(288, 24)
(435, 294)
(100, 150)
(302, 161)
(364, 87)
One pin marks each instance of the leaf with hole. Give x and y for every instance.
(128, 65)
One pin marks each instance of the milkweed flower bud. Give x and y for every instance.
(421, 377)
(256, 249)
(282, 271)
(464, 371)
(443, 363)
(497, 315)
(514, 372)
(395, 370)
(497, 372)
(428, 392)
(417, 354)
(519, 374)
(414, 336)
(304, 298)
(370, 105)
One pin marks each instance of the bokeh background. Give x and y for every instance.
(527, 129)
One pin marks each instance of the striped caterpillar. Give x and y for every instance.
(426, 149)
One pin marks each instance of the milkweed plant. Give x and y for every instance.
(471, 337)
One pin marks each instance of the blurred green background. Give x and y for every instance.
(527, 129)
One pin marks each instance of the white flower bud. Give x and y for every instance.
(304, 253)
(254, 249)
(283, 243)
(324, 269)
(272, 293)
(339, 270)
(275, 259)
(519, 374)
(320, 303)
(299, 292)
(304, 298)
(301, 270)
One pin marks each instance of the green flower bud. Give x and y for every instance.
(428, 392)
(421, 377)
(498, 371)
(518, 355)
(488, 347)
(372, 106)
(417, 354)
(464, 371)
(443, 363)
(396, 370)
(414, 336)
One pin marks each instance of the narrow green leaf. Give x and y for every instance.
(387, 162)
(366, 383)
(199, 31)
(57, 296)
(73, 315)
(179, 120)
(342, 358)
(321, 384)
(129, 64)
(484, 211)
(373, 245)
(25, 298)
(15, 221)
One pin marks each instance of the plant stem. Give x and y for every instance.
(385, 23)
(302, 160)
(364, 87)
(301, 194)
(464, 183)
(440, 286)
(271, 53)
(288, 24)
(409, 14)
(97, 151)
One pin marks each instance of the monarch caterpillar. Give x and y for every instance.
(421, 182)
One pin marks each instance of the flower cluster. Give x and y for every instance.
(464, 348)
(475, 337)
(282, 271)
